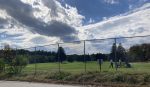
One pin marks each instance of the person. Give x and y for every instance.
(100, 61)
(120, 63)
(111, 64)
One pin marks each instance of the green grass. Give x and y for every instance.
(79, 67)
(74, 73)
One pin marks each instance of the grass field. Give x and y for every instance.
(74, 73)
(79, 67)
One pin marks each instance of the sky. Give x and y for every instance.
(97, 10)
(27, 23)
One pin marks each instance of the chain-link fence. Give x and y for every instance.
(111, 54)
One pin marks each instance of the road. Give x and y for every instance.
(29, 84)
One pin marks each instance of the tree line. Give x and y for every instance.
(139, 53)
(135, 53)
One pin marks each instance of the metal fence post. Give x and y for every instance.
(100, 65)
(16, 51)
(84, 57)
(2, 48)
(116, 53)
(35, 67)
(58, 58)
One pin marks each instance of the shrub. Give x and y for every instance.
(17, 64)
(119, 77)
(58, 75)
(147, 78)
(132, 79)
(2, 65)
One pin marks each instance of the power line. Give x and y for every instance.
(87, 40)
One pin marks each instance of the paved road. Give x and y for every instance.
(28, 84)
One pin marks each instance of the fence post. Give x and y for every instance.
(16, 51)
(1, 54)
(35, 67)
(100, 64)
(58, 57)
(84, 57)
(116, 53)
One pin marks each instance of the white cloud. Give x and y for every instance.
(91, 21)
(136, 23)
(48, 10)
(112, 1)
(46, 13)
(3, 14)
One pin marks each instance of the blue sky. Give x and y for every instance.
(98, 9)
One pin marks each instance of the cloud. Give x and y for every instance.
(50, 22)
(135, 23)
(52, 5)
(3, 22)
(6, 35)
(112, 1)
(57, 29)
(18, 10)
(39, 40)
(23, 13)
(91, 21)
(129, 24)
(66, 14)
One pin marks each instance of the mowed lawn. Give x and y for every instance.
(79, 67)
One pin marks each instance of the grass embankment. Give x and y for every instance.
(137, 76)
(109, 79)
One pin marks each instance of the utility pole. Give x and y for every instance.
(58, 58)
(116, 53)
(35, 67)
(84, 58)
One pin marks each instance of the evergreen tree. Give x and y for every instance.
(121, 53)
(113, 52)
(61, 54)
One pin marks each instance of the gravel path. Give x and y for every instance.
(29, 84)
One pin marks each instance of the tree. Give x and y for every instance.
(140, 52)
(147, 55)
(113, 52)
(15, 62)
(61, 55)
(145, 51)
(2, 65)
(18, 64)
(122, 56)
(121, 53)
(9, 54)
(70, 59)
